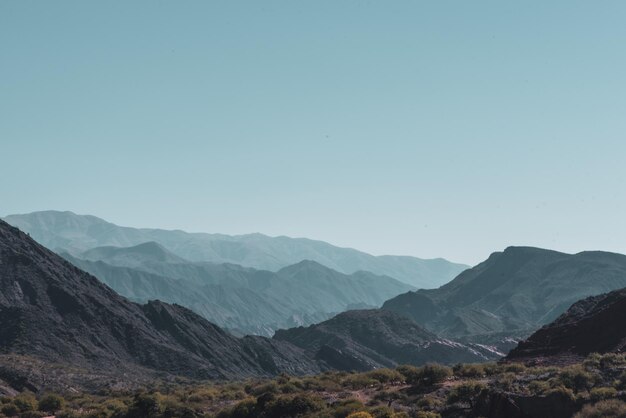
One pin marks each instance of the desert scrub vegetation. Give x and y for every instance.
(593, 386)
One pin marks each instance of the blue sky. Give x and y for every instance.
(440, 128)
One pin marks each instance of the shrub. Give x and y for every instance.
(382, 412)
(10, 410)
(429, 402)
(470, 370)
(576, 378)
(427, 414)
(360, 414)
(538, 387)
(359, 381)
(562, 392)
(25, 402)
(514, 368)
(32, 414)
(144, 406)
(385, 375)
(604, 409)
(344, 408)
(243, 409)
(600, 394)
(466, 392)
(270, 387)
(291, 406)
(433, 374)
(51, 403)
(429, 375)
(68, 413)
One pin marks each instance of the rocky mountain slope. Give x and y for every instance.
(66, 231)
(512, 293)
(369, 339)
(53, 311)
(56, 316)
(592, 325)
(241, 299)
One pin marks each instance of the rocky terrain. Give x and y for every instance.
(512, 293)
(592, 325)
(55, 312)
(369, 339)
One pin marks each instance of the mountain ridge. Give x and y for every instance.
(78, 233)
(514, 291)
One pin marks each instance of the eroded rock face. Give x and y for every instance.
(502, 404)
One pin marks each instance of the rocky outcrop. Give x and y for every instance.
(593, 325)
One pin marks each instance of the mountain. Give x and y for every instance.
(58, 323)
(52, 311)
(592, 325)
(367, 339)
(512, 293)
(66, 231)
(241, 299)
(135, 256)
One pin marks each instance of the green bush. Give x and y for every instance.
(244, 409)
(25, 402)
(359, 381)
(466, 392)
(291, 406)
(51, 403)
(562, 392)
(600, 394)
(10, 410)
(576, 378)
(344, 408)
(469, 370)
(514, 368)
(604, 409)
(145, 406)
(427, 414)
(360, 414)
(538, 387)
(385, 375)
(429, 375)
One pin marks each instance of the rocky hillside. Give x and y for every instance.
(512, 293)
(593, 325)
(369, 339)
(66, 231)
(53, 311)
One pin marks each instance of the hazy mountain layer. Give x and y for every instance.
(242, 299)
(65, 231)
(513, 292)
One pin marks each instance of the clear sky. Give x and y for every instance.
(440, 128)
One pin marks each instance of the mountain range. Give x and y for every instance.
(66, 231)
(512, 293)
(61, 317)
(53, 311)
(244, 300)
